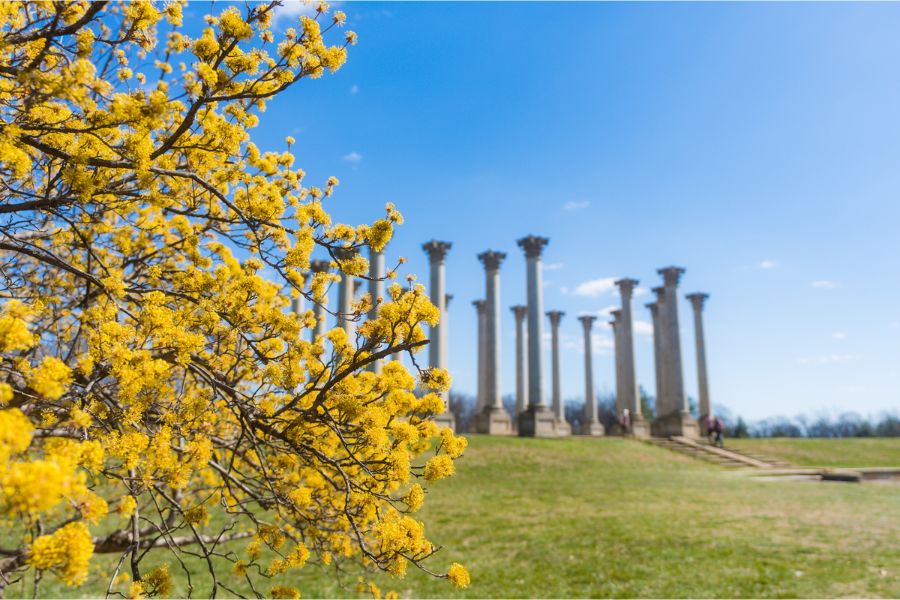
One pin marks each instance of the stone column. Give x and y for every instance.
(521, 367)
(678, 421)
(494, 419)
(376, 293)
(479, 400)
(557, 406)
(697, 300)
(437, 252)
(437, 349)
(632, 393)
(320, 266)
(657, 367)
(537, 420)
(346, 292)
(591, 425)
(616, 325)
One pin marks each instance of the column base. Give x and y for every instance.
(538, 421)
(446, 420)
(676, 424)
(563, 428)
(494, 421)
(640, 429)
(593, 429)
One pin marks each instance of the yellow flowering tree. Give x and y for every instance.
(157, 395)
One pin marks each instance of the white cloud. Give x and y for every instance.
(640, 291)
(767, 264)
(294, 9)
(354, 157)
(553, 267)
(596, 287)
(642, 327)
(828, 359)
(606, 311)
(839, 335)
(576, 205)
(354, 89)
(825, 284)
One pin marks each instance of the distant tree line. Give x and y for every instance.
(848, 424)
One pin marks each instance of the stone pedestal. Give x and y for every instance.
(640, 428)
(596, 428)
(676, 424)
(494, 421)
(538, 421)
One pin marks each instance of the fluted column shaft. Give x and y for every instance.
(437, 252)
(376, 291)
(590, 400)
(521, 367)
(664, 402)
(657, 367)
(320, 266)
(697, 301)
(557, 403)
(346, 293)
(533, 247)
(445, 334)
(492, 261)
(618, 347)
(482, 380)
(674, 372)
(632, 399)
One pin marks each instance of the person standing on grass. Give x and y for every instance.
(625, 421)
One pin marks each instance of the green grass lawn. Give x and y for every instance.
(617, 518)
(813, 452)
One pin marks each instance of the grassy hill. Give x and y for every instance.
(812, 452)
(617, 518)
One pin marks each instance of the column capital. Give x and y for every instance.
(479, 305)
(626, 286)
(660, 292)
(671, 275)
(520, 311)
(697, 299)
(447, 299)
(654, 308)
(491, 259)
(616, 314)
(555, 316)
(320, 266)
(587, 321)
(533, 245)
(436, 250)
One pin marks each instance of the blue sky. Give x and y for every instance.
(756, 145)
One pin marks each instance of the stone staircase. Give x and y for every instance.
(726, 457)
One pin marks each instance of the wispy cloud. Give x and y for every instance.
(828, 359)
(294, 9)
(553, 267)
(825, 284)
(353, 158)
(606, 311)
(642, 327)
(596, 287)
(767, 264)
(839, 335)
(354, 89)
(576, 204)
